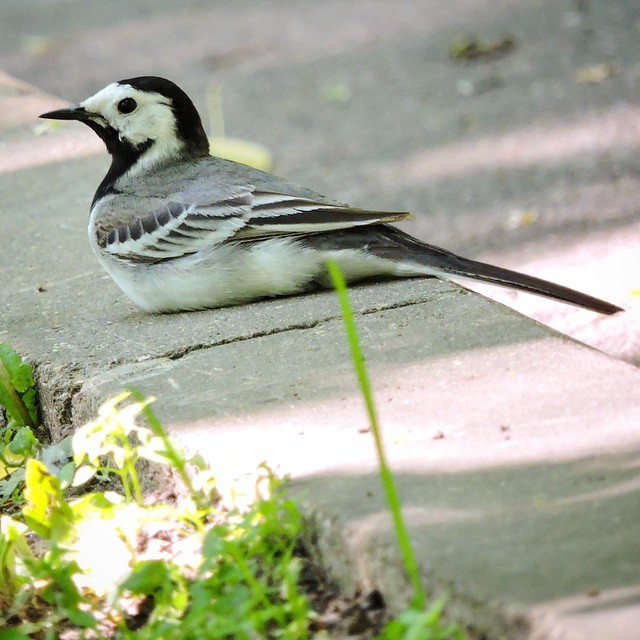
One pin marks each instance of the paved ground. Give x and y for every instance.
(513, 160)
(516, 448)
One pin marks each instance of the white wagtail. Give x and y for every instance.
(178, 229)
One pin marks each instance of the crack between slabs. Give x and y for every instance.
(177, 355)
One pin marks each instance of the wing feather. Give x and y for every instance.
(179, 229)
(274, 214)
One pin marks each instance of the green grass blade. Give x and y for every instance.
(393, 498)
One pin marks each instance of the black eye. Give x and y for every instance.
(127, 105)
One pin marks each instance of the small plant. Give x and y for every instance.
(17, 389)
(417, 624)
(18, 398)
(115, 566)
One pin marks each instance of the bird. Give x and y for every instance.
(179, 229)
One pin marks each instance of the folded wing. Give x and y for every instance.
(179, 229)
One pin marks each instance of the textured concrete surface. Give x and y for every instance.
(516, 449)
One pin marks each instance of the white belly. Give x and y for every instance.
(235, 273)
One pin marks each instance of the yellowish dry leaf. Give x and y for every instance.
(10, 458)
(521, 219)
(596, 73)
(244, 151)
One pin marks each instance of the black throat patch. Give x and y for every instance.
(123, 156)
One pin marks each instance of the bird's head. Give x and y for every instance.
(143, 121)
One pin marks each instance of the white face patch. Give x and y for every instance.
(152, 118)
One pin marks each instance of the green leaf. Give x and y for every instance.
(23, 442)
(13, 545)
(199, 462)
(46, 511)
(20, 371)
(417, 624)
(16, 380)
(147, 577)
(10, 484)
(30, 402)
(65, 475)
(13, 634)
(81, 618)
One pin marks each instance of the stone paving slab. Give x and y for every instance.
(532, 483)
(408, 133)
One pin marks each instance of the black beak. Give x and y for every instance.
(70, 113)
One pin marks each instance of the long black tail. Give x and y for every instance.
(451, 264)
(391, 243)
